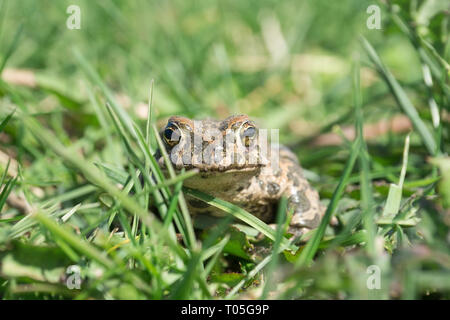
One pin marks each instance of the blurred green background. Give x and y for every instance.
(280, 61)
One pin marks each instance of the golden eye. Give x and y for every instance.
(172, 135)
(247, 134)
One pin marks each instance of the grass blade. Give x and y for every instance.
(238, 213)
(6, 120)
(402, 99)
(311, 247)
(364, 161)
(281, 227)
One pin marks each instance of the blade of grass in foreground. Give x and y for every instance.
(195, 267)
(394, 198)
(364, 161)
(126, 137)
(184, 226)
(240, 214)
(81, 246)
(88, 250)
(95, 176)
(185, 215)
(311, 247)
(129, 133)
(282, 224)
(402, 99)
(4, 193)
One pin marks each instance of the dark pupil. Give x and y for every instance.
(171, 134)
(249, 132)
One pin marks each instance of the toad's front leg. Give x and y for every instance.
(303, 200)
(304, 203)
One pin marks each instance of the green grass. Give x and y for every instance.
(76, 140)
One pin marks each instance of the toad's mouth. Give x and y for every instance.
(212, 168)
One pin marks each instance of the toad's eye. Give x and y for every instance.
(248, 134)
(172, 135)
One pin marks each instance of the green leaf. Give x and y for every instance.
(238, 245)
(393, 200)
(230, 278)
(395, 191)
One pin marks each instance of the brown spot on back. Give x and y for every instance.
(273, 188)
(300, 202)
